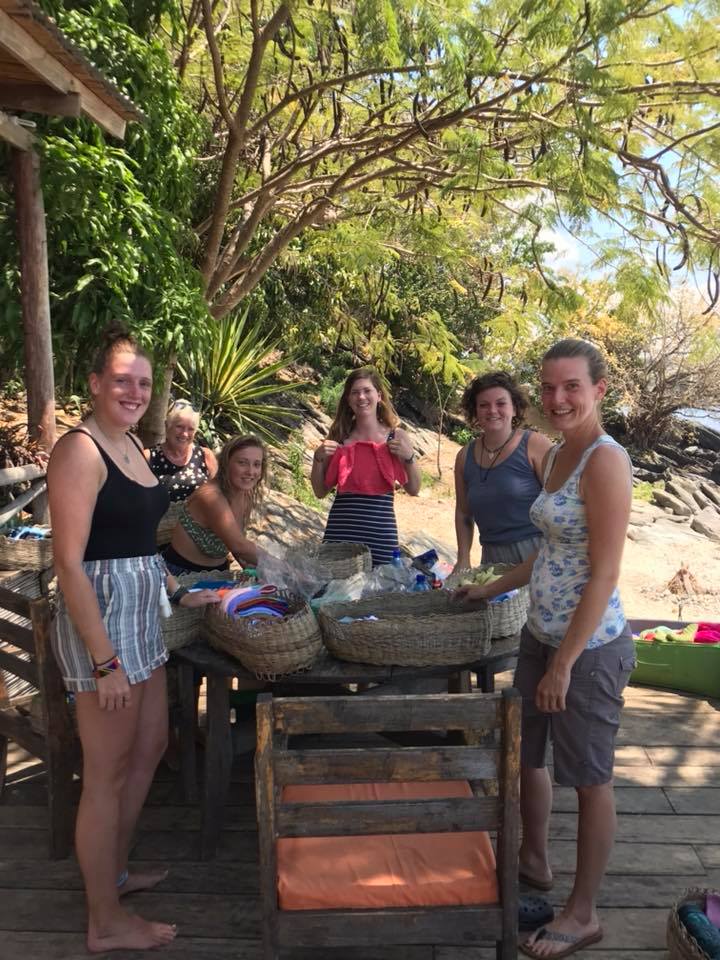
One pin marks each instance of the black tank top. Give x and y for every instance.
(126, 515)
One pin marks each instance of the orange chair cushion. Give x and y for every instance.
(387, 870)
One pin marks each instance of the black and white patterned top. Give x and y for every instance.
(180, 482)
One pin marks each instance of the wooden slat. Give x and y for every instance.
(14, 133)
(18, 728)
(407, 763)
(30, 471)
(416, 816)
(32, 98)
(22, 501)
(392, 713)
(19, 636)
(19, 668)
(16, 602)
(21, 45)
(337, 928)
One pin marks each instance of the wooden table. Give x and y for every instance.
(326, 672)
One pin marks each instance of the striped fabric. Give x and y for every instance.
(129, 592)
(364, 518)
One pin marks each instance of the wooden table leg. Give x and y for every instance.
(218, 763)
(460, 682)
(187, 695)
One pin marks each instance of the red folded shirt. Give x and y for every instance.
(707, 633)
(365, 467)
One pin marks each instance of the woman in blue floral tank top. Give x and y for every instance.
(576, 651)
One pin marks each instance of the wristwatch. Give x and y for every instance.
(410, 459)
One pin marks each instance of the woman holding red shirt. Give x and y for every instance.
(364, 457)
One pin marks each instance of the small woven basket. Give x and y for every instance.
(509, 616)
(25, 554)
(335, 561)
(185, 624)
(167, 524)
(681, 944)
(269, 647)
(412, 630)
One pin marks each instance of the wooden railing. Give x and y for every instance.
(38, 489)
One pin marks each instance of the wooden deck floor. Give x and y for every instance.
(668, 794)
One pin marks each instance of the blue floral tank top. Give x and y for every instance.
(562, 567)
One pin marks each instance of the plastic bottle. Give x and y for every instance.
(397, 557)
(436, 583)
(421, 584)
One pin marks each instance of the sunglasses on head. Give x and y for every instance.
(182, 405)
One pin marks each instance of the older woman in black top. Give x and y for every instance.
(180, 464)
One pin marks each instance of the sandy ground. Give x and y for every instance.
(649, 561)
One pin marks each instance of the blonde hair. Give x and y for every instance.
(222, 479)
(182, 408)
(344, 421)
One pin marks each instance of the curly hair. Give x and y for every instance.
(494, 378)
(342, 425)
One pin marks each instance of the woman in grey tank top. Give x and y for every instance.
(497, 475)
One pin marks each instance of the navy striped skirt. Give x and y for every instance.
(364, 518)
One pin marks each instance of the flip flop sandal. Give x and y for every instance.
(529, 881)
(534, 912)
(554, 936)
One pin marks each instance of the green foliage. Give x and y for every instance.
(643, 490)
(463, 436)
(300, 487)
(231, 378)
(119, 243)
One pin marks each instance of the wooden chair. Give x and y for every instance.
(281, 762)
(25, 655)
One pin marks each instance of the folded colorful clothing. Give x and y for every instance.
(243, 594)
(663, 634)
(708, 633)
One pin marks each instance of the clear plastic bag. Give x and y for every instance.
(301, 576)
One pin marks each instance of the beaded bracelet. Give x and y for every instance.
(105, 669)
(178, 595)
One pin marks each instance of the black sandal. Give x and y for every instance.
(534, 912)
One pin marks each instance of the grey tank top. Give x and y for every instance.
(500, 498)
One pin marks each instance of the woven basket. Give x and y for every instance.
(681, 945)
(271, 647)
(335, 561)
(25, 554)
(509, 616)
(412, 630)
(167, 524)
(184, 626)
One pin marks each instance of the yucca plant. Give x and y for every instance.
(229, 379)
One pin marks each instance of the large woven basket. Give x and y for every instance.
(185, 624)
(681, 944)
(412, 630)
(268, 647)
(335, 561)
(508, 616)
(25, 554)
(167, 524)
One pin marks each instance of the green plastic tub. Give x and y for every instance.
(690, 667)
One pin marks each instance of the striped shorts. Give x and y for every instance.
(130, 593)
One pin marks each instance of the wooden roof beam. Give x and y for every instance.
(34, 98)
(15, 134)
(20, 45)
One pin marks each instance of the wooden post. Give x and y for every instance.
(35, 297)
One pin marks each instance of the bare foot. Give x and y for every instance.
(561, 938)
(142, 881)
(128, 932)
